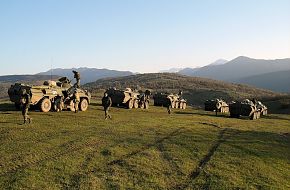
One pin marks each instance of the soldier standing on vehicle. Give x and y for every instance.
(26, 99)
(76, 99)
(77, 76)
(106, 103)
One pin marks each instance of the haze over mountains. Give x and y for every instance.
(87, 74)
(268, 74)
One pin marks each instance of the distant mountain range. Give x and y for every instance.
(87, 74)
(268, 74)
(277, 81)
(248, 71)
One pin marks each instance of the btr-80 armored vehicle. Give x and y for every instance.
(46, 97)
(217, 105)
(127, 97)
(244, 108)
(161, 99)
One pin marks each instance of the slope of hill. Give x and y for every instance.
(196, 90)
(241, 67)
(7, 80)
(277, 81)
(88, 74)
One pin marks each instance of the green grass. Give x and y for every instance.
(143, 149)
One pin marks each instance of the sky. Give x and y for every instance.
(138, 35)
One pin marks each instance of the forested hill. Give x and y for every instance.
(196, 89)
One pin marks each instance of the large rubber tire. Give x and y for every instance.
(136, 104)
(184, 106)
(172, 104)
(130, 104)
(84, 104)
(146, 105)
(72, 106)
(176, 104)
(45, 105)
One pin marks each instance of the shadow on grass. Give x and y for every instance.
(275, 117)
(7, 107)
(121, 160)
(201, 114)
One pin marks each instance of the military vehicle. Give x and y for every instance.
(160, 99)
(244, 108)
(126, 98)
(45, 97)
(216, 104)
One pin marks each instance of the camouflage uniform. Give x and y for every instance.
(59, 104)
(76, 99)
(106, 103)
(77, 76)
(25, 107)
(168, 105)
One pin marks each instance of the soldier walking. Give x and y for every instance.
(26, 99)
(168, 105)
(106, 103)
(77, 76)
(76, 99)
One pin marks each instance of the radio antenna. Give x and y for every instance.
(51, 61)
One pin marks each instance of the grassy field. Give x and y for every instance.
(143, 149)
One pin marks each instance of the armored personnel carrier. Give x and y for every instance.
(46, 97)
(126, 98)
(216, 105)
(244, 108)
(160, 99)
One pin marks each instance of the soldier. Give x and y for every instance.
(168, 105)
(106, 103)
(26, 99)
(77, 76)
(59, 104)
(180, 93)
(76, 99)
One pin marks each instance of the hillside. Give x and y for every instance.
(142, 149)
(7, 80)
(241, 67)
(277, 81)
(196, 90)
(88, 74)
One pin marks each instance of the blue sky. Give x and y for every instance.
(138, 35)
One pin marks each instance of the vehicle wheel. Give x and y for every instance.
(17, 106)
(72, 106)
(84, 104)
(253, 116)
(136, 104)
(130, 104)
(146, 105)
(45, 105)
(184, 106)
(172, 104)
